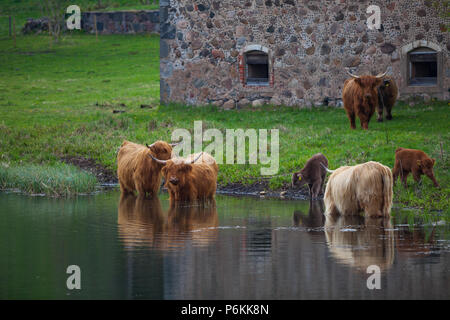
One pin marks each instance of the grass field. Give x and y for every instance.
(59, 102)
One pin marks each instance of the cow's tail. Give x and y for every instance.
(388, 183)
(328, 170)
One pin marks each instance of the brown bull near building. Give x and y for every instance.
(360, 97)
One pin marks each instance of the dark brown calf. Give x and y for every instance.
(313, 173)
(413, 161)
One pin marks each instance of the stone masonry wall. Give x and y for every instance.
(121, 22)
(310, 44)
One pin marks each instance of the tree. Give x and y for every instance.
(54, 10)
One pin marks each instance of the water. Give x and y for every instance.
(241, 248)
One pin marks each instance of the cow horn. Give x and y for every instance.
(352, 75)
(175, 144)
(379, 76)
(198, 157)
(149, 146)
(157, 160)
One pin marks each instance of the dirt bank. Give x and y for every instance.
(257, 189)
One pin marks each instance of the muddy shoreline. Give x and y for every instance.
(107, 178)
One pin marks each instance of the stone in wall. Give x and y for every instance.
(310, 43)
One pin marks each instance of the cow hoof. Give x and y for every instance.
(380, 120)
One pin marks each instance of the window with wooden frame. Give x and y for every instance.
(422, 67)
(256, 68)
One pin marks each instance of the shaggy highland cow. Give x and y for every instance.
(365, 187)
(313, 173)
(192, 178)
(136, 169)
(387, 95)
(360, 97)
(415, 161)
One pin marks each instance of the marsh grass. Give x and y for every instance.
(57, 180)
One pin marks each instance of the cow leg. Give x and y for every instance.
(395, 172)
(388, 113)
(124, 190)
(140, 189)
(416, 175)
(364, 121)
(333, 211)
(316, 189)
(351, 117)
(405, 178)
(380, 113)
(310, 190)
(431, 176)
(322, 183)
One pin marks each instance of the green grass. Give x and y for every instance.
(21, 10)
(58, 102)
(58, 180)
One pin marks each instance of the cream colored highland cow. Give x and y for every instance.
(365, 187)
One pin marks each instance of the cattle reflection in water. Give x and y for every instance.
(361, 242)
(315, 217)
(143, 223)
(198, 222)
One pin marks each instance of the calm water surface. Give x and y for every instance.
(239, 248)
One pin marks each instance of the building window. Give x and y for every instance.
(256, 68)
(422, 67)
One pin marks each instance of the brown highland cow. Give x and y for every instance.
(365, 187)
(313, 173)
(360, 97)
(191, 178)
(415, 161)
(137, 171)
(387, 96)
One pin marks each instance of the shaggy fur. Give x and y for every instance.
(313, 173)
(365, 187)
(387, 98)
(360, 99)
(190, 182)
(375, 235)
(413, 161)
(136, 169)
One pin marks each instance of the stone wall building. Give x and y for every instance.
(295, 52)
